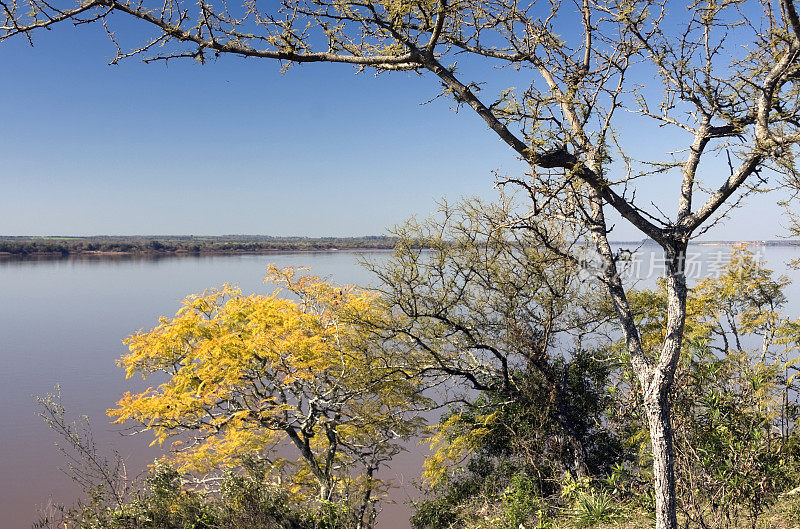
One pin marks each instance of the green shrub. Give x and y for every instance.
(594, 507)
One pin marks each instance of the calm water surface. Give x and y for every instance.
(62, 322)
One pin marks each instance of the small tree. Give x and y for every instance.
(513, 336)
(720, 75)
(249, 377)
(488, 310)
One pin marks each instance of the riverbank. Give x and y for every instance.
(15, 246)
(177, 245)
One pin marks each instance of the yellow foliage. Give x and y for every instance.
(251, 374)
(452, 441)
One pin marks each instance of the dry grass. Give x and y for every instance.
(784, 515)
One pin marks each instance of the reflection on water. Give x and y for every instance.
(62, 321)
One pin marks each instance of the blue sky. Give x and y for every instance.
(236, 147)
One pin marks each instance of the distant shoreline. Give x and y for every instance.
(14, 246)
(185, 253)
(189, 245)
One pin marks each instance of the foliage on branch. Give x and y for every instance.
(727, 82)
(735, 409)
(735, 400)
(294, 383)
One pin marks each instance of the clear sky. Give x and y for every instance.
(236, 147)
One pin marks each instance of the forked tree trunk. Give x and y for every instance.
(654, 371)
(657, 382)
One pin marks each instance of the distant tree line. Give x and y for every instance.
(225, 244)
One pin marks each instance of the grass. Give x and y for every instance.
(596, 513)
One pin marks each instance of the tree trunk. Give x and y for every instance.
(656, 384)
(658, 417)
(655, 375)
(578, 464)
(366, 511)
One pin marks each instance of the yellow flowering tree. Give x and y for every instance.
(291, 378)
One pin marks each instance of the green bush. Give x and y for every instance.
(594, 507)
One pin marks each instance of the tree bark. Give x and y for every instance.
(657, 382)
(366, 511)
(654, 374)
(658, 418)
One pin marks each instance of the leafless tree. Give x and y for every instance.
(708, 78)
(101, 477)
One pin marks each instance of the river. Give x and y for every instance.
(63, 321)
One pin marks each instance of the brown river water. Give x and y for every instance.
(63, 321)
